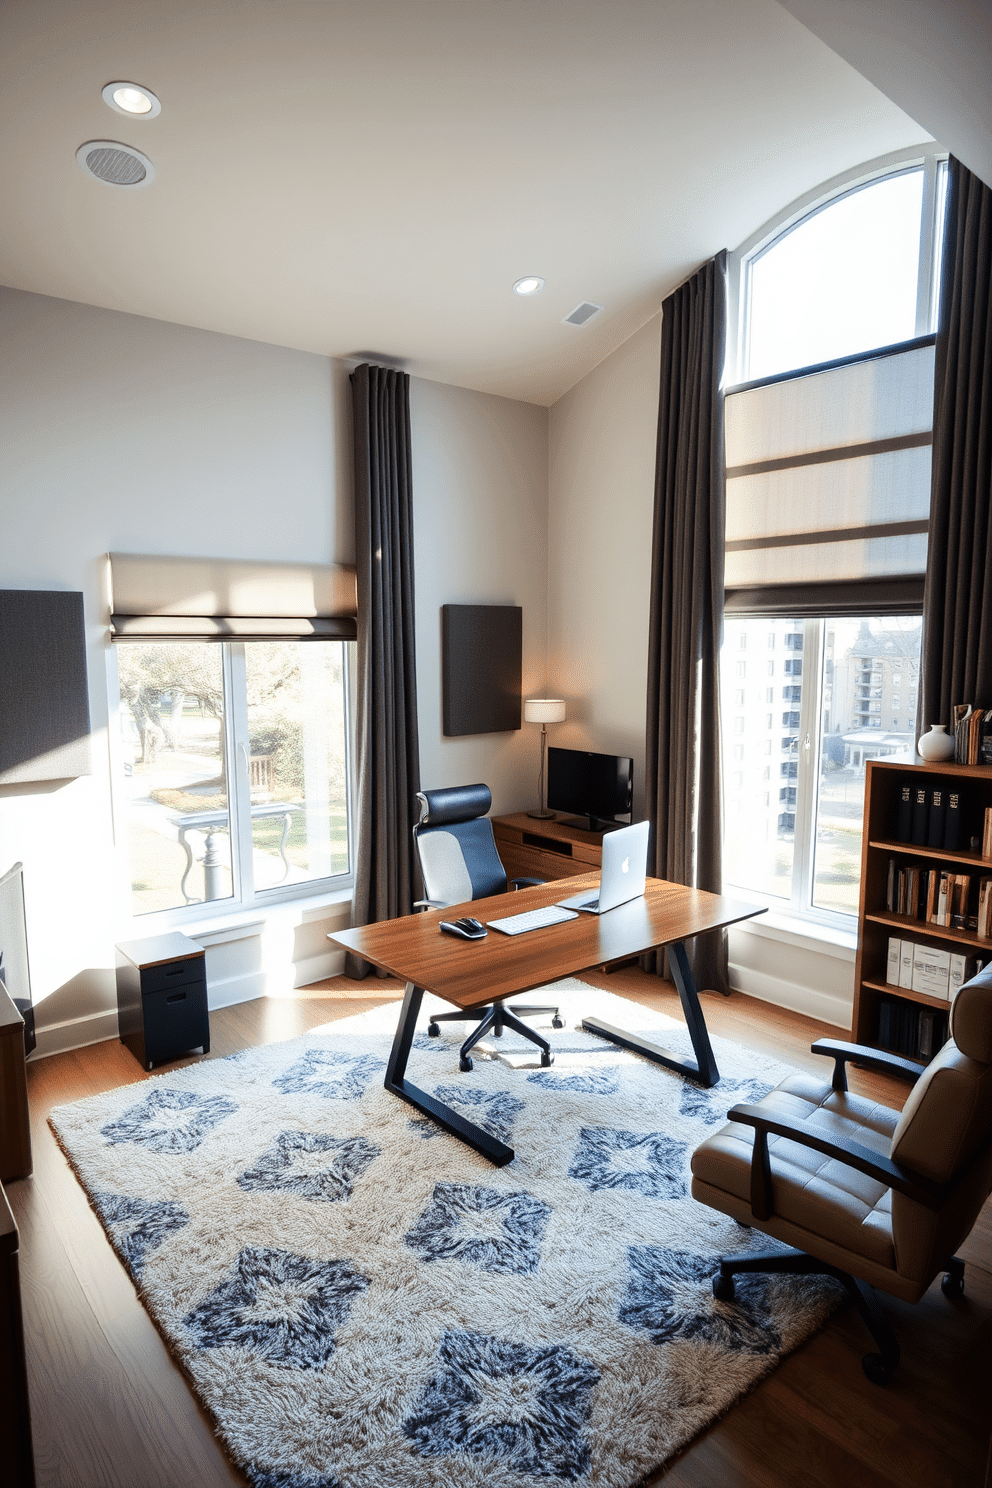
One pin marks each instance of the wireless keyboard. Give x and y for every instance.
(533, 919)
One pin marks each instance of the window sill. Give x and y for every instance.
(795, 930)
(238, 923)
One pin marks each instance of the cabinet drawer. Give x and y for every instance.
(173, 974)
(530, 862)
(175, 1019)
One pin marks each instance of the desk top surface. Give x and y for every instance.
(471, 972)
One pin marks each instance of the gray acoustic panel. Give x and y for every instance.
(45, 723)
(481, 660)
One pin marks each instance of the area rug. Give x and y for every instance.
(361, 1301)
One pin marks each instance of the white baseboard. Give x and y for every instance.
(316, 968)
(75, 1033)
(807, 1000)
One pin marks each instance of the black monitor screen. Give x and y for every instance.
(596, 786)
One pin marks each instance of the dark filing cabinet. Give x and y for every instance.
(162, 997)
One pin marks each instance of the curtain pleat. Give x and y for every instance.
(683, 737)
(957, 610)
(387, 747)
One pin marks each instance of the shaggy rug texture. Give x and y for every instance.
(363, 1302)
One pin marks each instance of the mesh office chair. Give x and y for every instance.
(459, 861)
(864, 1194)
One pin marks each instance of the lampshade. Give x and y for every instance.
(544, 710)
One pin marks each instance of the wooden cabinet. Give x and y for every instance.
(877, 923)
(15, 1123)
(15, 1420)
(532, 848)
(162, 997)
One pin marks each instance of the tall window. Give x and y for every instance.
(828, 495)
(234, 769)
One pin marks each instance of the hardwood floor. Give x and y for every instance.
(110, 1409)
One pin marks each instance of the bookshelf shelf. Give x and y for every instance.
(882, 843)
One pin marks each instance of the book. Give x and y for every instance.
(901, 891)
(960, 715)
(904, 815)
(914, 880)
(892, 965)
(975, 719)
(890, 887)
(962, 969)
(933, 886)
(931, 971)
(924, 1037)
(985, 742)
(906, 964)
(938, 816)
(983, 928)
(942, 916)
(960, 893)
(952, 820)
(921, 814)
(987, 834)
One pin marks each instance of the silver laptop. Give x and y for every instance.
(625, 861)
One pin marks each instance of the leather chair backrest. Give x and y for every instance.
(945, 1134)
(455, 843)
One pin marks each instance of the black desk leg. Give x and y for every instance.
(466, 1131)
(703, 1068)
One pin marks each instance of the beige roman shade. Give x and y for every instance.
(828, 487)
(154, 598)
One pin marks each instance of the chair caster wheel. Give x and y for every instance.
(952, 1284)
(557, 1022)
(877, 1370)
(547, 1060)
(465, 1064)
(723, 1287)
(432, 1030)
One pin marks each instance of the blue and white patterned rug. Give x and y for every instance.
(363, 1302)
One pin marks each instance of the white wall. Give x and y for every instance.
(481, 537)
(601, 502)
(120, 433)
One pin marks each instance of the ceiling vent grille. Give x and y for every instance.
(115, 164)
(582, 314)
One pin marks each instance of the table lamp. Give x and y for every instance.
(543, 711)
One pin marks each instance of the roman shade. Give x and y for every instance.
(215, 599)
(828, 487)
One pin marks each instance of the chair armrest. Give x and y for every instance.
(526, 883)
(876, 1059)
(852, 1154)
(430, 904)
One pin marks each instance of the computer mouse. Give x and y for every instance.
(466, 928)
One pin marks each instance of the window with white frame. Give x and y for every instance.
(827, 504)
(234, 763)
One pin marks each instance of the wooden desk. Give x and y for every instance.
(470, 973)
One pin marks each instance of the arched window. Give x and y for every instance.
(852, 271)
(827, 499)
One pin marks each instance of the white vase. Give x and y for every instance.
(936, 743)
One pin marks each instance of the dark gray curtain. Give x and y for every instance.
(388, 757)
(683, 734)
(957, 603)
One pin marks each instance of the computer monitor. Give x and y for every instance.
(598, 787)
(14, 971)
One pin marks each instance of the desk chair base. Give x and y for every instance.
(496, 1017)
(878, 1367)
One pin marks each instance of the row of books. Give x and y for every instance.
(929, 816)
(915, 1032)
(972, 728)
(921, 968)
(958, 901)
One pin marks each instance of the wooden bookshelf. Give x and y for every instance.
(875, 922)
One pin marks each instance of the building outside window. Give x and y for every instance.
(233, 771)
(840, 278)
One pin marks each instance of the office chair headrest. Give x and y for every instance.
(971, 1017)
(455, 803)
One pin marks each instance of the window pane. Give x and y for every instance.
(842, 281)
(296, 734)
(759, 823)
(865, 662)
(172, 721)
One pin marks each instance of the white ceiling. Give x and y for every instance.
(357, 177)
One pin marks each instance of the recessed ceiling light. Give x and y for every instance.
(531, 285)
(130, 99)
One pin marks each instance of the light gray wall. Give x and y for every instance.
(601, 501)
(480, 468)
(120, 433)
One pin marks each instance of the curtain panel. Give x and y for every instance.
(683, 723)
(387, 748)
(957, 611)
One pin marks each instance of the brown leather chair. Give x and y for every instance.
(870, 1196)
